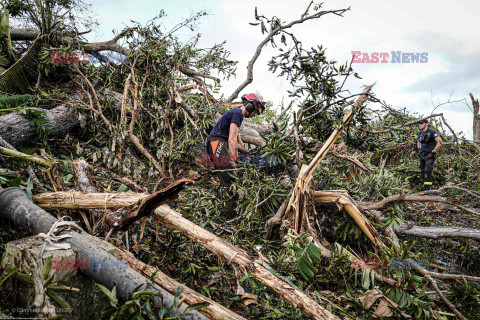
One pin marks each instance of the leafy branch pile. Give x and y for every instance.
(140, 121)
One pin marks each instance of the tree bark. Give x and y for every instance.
(16, 207)
(476, 119)
(217, 245)
(213, 310)
(85, 200)
(16, 129)
(241, 259)
(437, 232)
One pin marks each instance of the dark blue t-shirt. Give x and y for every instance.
(222, 128)
(429, 135)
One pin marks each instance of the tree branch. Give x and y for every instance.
(271, 35)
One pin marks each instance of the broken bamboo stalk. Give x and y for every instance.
(214, 310)
(240, 258)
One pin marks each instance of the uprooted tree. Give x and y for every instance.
(331, 191)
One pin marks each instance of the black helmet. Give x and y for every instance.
(253, 102)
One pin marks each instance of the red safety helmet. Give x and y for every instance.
(253, 102)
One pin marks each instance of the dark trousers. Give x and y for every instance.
(219, 154)
(426, 167)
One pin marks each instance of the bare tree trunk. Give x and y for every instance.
(241, 259)
(16, 129)
(476, 119)
(437, 232)
(213, 310)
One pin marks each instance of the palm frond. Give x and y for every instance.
(18, 77)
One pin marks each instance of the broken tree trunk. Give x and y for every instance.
(341, 198)
(437, 232)
(232, 254)
(476, 119)
(217, 245)
(298, 213)
(213, 310)
(241, 259)
(16, 129)
(16, 207)
(83, 200)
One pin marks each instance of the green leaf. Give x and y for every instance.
(47, 266)
(26, 279)
(111, 295)
(9, 273)
(263, 28)
(196, 306)
(59, 300)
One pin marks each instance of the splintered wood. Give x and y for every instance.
(300, 212)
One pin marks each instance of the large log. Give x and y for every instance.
(15, 128)
(241, 259)
(16, 207)
(82, 200)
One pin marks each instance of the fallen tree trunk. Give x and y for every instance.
(437, 232)
(165, 214)
(414, 197)
(16, 207)
(241, 259)
(213, 310)
(82, 200)
(210, 241)
(16, 129)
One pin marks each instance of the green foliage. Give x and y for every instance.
(307, 258)
(12, 101)
(140, 305)
(46, 276)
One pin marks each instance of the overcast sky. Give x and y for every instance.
(446, 30)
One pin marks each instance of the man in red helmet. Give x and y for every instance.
(224, 140)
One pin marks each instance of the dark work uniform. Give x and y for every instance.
(427, 144)
(217, 144)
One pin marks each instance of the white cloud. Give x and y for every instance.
(444, 29)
